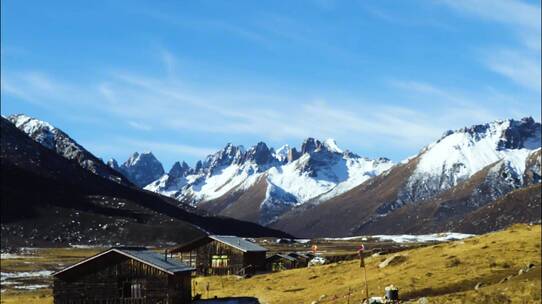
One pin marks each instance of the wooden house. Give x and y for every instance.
(278, 262)
(302, 259)
(124, 276)
(222, 255)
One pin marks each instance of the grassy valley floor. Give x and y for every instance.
(442, 273)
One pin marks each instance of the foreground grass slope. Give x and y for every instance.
(443, 273)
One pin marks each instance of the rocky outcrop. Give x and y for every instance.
(55, 139)
(142, 169)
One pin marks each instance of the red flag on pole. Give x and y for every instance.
(361, 248)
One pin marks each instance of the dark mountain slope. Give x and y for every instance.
(47, 199)
(60, 142)
(518, 206)
(432, 215)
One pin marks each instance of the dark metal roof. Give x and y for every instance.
(151, 258)
(157, 260)
(298, 255)
(287, 257)
(239, 243)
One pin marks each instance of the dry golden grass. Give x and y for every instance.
(444, 273)
(42, 296)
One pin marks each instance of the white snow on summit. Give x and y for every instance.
(460, 154)
(41, 131)
(331, 145)
(314, 176)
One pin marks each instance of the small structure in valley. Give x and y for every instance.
(278, 262)
(222, 255)
(124, 275)
(302, 259)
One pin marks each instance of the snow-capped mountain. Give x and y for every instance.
(320, 171)
(463, 171)
(50, 201)
(458, 155)
(140, 169)
(55, 139)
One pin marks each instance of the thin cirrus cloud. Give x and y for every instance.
(145, 103)
(520, 64)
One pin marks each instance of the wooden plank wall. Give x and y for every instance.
(200, 258)
(105, 285)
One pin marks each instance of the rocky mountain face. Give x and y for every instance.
(55, 139)
(460, 173)
(317, 189)
(140, 169)
(49, 200)
(458, 155)
(282, 179)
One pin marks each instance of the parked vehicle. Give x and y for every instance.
(318, 260)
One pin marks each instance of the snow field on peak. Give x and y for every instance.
(332, 145)
(467, 155)
(229, 178)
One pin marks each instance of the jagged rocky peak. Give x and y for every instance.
(524, 133)
(510, 133)
(281, 154)
(259, 154)
(293, 154)
(224, 157)
(40, 131)
(331, 145)
(113, 164)
(179, 170)
(310, 145)
(460, 154)
(55, 139)
(286, 154)
(142, 169)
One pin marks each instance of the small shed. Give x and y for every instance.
(302, 259)
(278, 262)
(222, 255)
(124, 275)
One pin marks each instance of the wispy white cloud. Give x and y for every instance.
(520, 63)
(165, 104)
(520, 68)
(514, 12)
(139, 126)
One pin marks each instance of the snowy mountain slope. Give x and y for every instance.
(461, 172)
(458, 155)
(55, 139)
(291, 178)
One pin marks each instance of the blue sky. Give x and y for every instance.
(183, 78)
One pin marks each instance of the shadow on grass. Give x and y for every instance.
(229, 300)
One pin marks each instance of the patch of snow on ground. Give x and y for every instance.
(409, 238)
(24, 274)
(32, 287)
(7, 256)
(424, 238)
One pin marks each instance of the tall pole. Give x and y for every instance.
(361, 249)
(366, 285)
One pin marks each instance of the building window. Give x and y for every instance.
(220, 261)
(132, 290)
